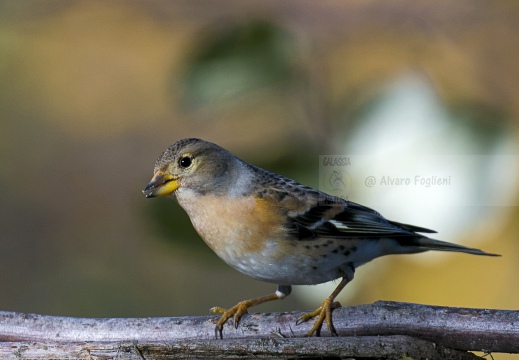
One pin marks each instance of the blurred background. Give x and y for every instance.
(91, 92)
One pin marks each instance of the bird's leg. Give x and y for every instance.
(238, 310)
(325, 311)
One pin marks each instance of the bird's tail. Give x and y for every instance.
(426, 243)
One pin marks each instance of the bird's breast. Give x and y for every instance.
(232, 227)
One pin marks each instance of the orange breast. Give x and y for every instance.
(234, 226)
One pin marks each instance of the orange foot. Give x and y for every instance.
(237, 311)
(325, 313)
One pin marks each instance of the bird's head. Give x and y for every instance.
(191, 164)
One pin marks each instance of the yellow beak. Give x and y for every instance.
(161, 185)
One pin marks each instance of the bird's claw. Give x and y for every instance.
(325, 314)
(236, 312)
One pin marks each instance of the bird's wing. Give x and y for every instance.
(318, 214)
(310, 214)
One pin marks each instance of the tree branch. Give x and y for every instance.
(455, 328)
(365, 347)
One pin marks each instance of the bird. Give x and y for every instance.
(279, 231)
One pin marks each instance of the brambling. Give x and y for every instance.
(274, 229)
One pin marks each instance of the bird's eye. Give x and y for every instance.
(185, 162)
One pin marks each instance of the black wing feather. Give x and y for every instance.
(354, 220)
